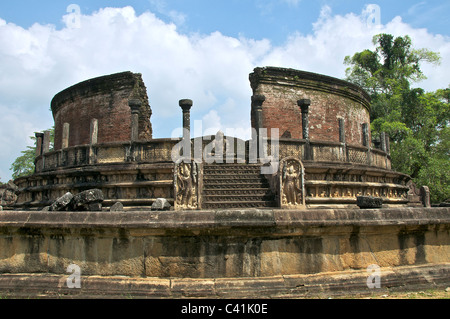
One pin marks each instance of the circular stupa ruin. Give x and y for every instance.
(313, 127)
(308, 206)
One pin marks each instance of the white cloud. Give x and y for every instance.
(176, 17)
(212, 69)
(336, 36)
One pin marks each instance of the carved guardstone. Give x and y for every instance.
(187, 185)
(291, 184)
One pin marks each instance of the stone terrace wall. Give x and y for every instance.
(222, 243)
(105, 99)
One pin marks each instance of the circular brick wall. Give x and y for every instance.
(331, 99)
(105, 99)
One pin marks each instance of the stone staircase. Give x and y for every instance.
(235, 186)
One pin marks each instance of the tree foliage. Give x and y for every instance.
(24, 164)
(416, 121)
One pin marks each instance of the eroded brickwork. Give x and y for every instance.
(105, 99)
(331, 100)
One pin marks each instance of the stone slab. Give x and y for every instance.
(217, 219)
(323, 285)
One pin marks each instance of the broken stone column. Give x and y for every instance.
(341, 130)
(94, 132)
(39, 140)
(365, 132)
(383, 141)
(135, 105)
(93, 139)
(425, 196)
(387, 143)
(46, 142)
(65, 135)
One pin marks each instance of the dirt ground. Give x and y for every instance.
(425, 294)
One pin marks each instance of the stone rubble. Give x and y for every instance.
(161, 204)
(90, 200)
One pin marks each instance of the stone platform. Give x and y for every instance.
(245, 253)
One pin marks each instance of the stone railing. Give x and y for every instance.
(160, 150)
(153, 151)
(323, 151)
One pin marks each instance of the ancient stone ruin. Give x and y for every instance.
(103, 140)
(309, 205)
(8, 195)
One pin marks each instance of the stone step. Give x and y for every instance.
(256, 169)
(235, 186)
(232, 168)
(246, 204)
(236, 191)
(243, 165)
(237, 197)
(224, 180)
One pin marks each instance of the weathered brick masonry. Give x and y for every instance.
(331, 100)
(103, 139)
(105, 99)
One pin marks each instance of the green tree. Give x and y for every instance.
(417, 122)
(24, 164)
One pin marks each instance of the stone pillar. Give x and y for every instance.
(425, 196)
(65, 135)
(344, 153)
(341, 130)
(186, 105)
(93, 138)
(46, 142)
(387, 143)
(39, 141)
(135, 105)
(304, 106)
(257, 102)
(383, 141)
(365, 133)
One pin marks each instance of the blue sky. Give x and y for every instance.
(198, 49)
(273, 19)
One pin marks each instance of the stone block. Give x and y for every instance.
(425, 196)
(89, 200)
(117, 207)
(62, 203)
(161, 204)
(364, 202)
